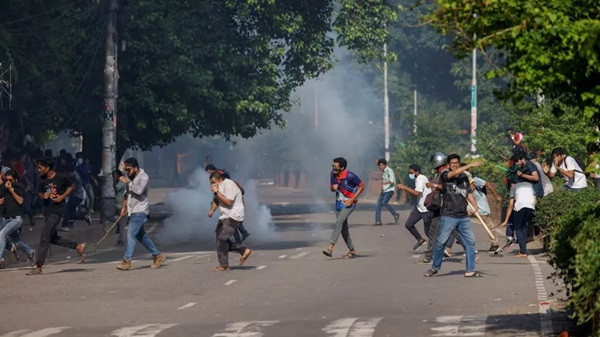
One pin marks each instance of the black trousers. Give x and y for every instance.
(521, 218)
(50, 236)
(412, 220)
(224, 231)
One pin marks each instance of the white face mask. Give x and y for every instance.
(412, 176)
(79, 161)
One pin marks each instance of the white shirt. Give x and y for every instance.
(546, 182)
(231, 191)
(137, 193)
(524, 196)
(388, 175)
(569, 164)
(421, 187)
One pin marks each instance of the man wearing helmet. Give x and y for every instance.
(456, 192)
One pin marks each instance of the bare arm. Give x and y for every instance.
(350, 201)
(408, 189)
(458, 171)
(223, 199)
(509, 210)
(472, 202)
(490, 187)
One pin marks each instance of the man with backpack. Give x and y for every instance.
(570, 167)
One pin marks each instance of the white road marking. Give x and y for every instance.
(460, 326)
(340, 327)
(282, 256)
(46, 332)
(299, 248)
(182, 258)
(261, 267)
(245, 329)
(542, 294)
(189, 305)
(299, 255)
(146, 330)
(364, 328)
(230, 282)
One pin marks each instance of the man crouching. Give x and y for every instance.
(228, 197)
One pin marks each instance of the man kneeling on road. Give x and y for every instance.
(228, 197)
(456, 192)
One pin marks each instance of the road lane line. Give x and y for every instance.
(245, 329)
(542, 295)
(299, 255)
(340, 327)
(46, 332)
(146, 330)
(364, 328)
(282, 256)
(261, 267)
(189, 305)
(230, 282)
(299, 248)
(182, 258)
(460, 326)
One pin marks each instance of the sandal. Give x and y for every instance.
(475, 274)
(219, 268)
(351, 254)
(328, 252)
(81, 251)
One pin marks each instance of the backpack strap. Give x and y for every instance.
(575, 160)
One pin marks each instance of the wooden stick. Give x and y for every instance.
(108, 231)
(492, 236)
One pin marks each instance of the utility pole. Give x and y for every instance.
(386, 105)
(474, 102)
(415, 112)
(109, 129)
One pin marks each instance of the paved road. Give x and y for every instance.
(287, 288)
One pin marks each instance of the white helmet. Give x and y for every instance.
(438, 159)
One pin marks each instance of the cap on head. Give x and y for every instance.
(518, 137)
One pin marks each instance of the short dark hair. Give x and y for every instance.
(118, 173)
(519, 156)
(131, 161)
(210, 167)
(217, 175)
(415, 167)
(452, 156)
(558, 151)
(46, 162)
(12, 173)
(382, 161)
(341, 161)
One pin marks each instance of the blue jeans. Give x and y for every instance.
(465, 230)
(383, 200)
(136, 231)
(9, 228)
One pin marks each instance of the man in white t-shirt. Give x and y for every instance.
(388, 181)
(522, 201)
(420, 212)
(480, 188)
(228, 197)
(568, 167)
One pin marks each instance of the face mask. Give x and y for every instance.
(412, 176)
(79, 161)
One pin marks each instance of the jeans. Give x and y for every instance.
(239, 233)
(71, 214)
(225, 229)
(412, 220)
(89, 193)
(28, 206)
(465, 230)
(341, 227)
(432, 234)
(383, 200)
(521, 219)
(10, 229)
(50, 236)
(137, 232)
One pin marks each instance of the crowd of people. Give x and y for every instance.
(446, 201)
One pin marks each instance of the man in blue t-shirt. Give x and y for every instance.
(347, 187)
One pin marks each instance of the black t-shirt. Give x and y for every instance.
(454, 202)
(56, 186)
(11, 208)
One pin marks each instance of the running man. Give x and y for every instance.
(347, 187)
(388, 181)
(420, 212)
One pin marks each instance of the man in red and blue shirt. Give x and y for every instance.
(347, 187)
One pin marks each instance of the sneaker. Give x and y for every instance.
(419, 244)
(430, 273)
(2, 264)
(125, 265)
(493, 248)
(31, 258)
(424, 260)
(378, 223)
(509, 242)
(88, 219)
(16, 252)
(447, 252)
(158, 259)
(35, 271)
(64, 229)
(396, 218)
